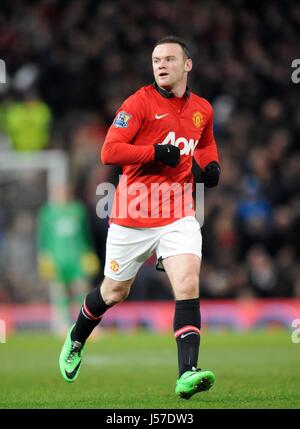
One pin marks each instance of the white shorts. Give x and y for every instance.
(128, 248)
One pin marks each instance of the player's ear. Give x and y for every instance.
(188, 65)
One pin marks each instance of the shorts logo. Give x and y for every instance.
(114, 266)
(122, 119)
(197, 119)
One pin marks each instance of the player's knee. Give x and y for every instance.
(188, 288)
(115, 298)
(114, 295)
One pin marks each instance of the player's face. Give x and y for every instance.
(170, 65)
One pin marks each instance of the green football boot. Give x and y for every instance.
(70, 358)
(194, 381)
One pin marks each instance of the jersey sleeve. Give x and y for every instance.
(206, 150)
(117, 147)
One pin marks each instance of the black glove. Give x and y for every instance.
(211, 174)
(168, 154)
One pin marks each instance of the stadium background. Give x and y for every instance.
(78, 60)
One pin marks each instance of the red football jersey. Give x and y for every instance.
(150, 193)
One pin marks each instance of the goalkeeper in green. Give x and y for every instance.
(66, 257)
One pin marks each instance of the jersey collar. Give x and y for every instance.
(169, 94)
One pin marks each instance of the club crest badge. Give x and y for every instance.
(197, 119)
(114, 265)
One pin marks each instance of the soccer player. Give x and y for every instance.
(66, 255)
(155, 136)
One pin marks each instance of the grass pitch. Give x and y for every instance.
(139, 370)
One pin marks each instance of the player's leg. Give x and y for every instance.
(96, 303)
(80, 287)
(180, 250)
(183, 272)
(126, 251)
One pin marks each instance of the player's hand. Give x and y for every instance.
(168, 154)
(90, 263)
(211, 174)
(46, 267)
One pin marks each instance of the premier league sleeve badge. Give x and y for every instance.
(122, 119)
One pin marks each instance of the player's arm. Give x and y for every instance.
(206, 155)
(118, 149)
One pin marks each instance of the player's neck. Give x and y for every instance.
(179, 89)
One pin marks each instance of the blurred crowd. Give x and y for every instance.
(70, 64)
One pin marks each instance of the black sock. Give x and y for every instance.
(187, 323)
(89, 316)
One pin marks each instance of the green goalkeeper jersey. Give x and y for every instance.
(63, 231)
(63, 234)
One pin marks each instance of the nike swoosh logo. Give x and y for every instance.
(160, 116)
(72, 374)
(188, 333)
